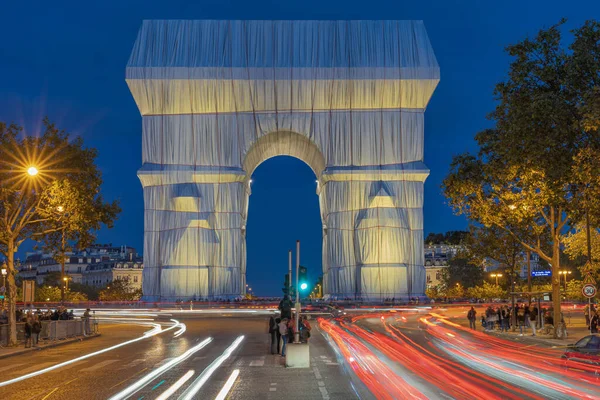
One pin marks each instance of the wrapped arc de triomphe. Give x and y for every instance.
(218, 98)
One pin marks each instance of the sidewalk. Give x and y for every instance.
(21, 349)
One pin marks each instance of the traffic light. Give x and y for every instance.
(302, 278)
(286, 284)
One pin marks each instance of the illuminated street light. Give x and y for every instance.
(564, 273)
(33, 171)
(496, 276)
(60, 208)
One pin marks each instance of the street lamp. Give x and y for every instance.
(32, 171)
(4, 273)
(66, 280)
(565, 273)
(496, 276)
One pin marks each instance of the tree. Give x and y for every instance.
(486, 291)
(499, 245)
(47, 293)
(39, 176)
(522, 180)
(462, 271)
(120, 290)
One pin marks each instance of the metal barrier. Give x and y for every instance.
(53, 330)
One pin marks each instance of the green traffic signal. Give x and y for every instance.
(303, 286)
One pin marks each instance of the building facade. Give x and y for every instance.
(218, 98)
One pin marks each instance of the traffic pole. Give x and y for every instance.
(298, 306)
(289, 288)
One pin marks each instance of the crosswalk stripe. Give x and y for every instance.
(10, 366)
(98, 366)
(36, 367)
(135, 362)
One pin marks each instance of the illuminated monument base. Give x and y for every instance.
(218, 98)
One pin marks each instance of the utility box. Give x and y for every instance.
(297, 355)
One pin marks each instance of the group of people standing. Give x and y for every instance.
(282, 332)
(526, 316)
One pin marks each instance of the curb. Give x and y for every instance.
(48, 346)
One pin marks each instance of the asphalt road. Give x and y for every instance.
(261, 376)
(399, 355)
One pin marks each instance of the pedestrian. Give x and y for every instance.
(472, 317)
(86, 322)
(586, 313)
(533, 314)
(305, 329)
(595, 322)
(277, 322)
(28, 331)
(36, 328)
(521, 318)
(505, 317)
(283, 331)
(272, 333)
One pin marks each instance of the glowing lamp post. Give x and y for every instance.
(496, 276)
(564, 273)
(32, 171)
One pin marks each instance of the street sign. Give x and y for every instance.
(541, 273)
(589, 290)
(589, 279)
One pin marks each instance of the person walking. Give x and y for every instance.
(36, 328)
(273, 328)
(86, 322)
(521, 318)
(595, 322)
(472, 317)
(586, 314)
(305, 329)
(283, 331)
(28, 331)
(277, 322)
(533, 314)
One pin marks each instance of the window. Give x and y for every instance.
(438, 275)
(135, 279)
(79, 269)
(81, 261)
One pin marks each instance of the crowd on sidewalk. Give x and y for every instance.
(522, 316)
(281, 329)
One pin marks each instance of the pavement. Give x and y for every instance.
(262, 375)
(408, 354)
(42, 345)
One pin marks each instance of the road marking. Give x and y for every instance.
(257, 363)
(98, 366)
(317, 373)
(35, 368)
(273, 389)
(320, 383)
(158, 384)
(12, 366)
(324, 393)
(198, 358)
(48, 395)
(332, 363)
(125, 380)
(163, 362)
(135, 362)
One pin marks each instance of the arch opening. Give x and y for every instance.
(284, 143)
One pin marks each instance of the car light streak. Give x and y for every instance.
(228, 385)
(175, 387)
(181, 331)
(85, 357)
(159, 371)
(201, 380)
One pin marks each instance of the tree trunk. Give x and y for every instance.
(12, 294)
(556, 300)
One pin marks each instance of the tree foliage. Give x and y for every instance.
(463, 271)
(524, 178)
(64, 195)
(120, 290)
(450, 237)
(486, 291)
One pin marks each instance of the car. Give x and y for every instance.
(584, 354)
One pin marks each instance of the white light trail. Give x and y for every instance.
(175, 387)
(85, 357)
(123, 394)
(181, 331)
(227, 387)
(191, 391)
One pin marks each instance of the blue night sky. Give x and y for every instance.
(67, 60)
